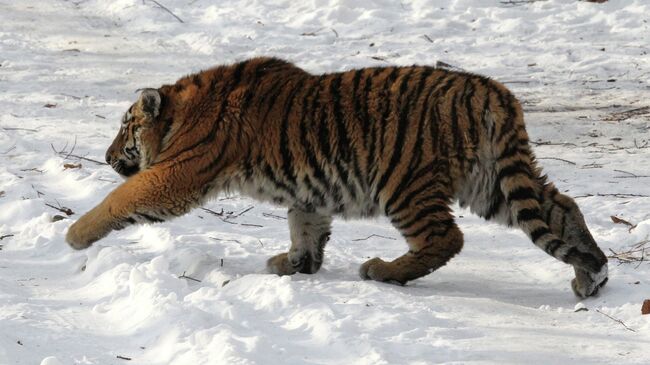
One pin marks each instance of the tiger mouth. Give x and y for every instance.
(125, 170)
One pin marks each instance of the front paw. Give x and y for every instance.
(280, 265)
(587, 284)
(88, 229)
(78, 237)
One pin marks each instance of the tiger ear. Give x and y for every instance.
(149, 102)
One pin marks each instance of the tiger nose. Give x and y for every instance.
(108, 158)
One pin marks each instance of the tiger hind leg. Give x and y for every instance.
(309, 232)
(565, 220)
(431, 234)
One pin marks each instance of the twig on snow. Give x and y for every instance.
(374, 235)
(65, 210)
(167, 10)
(67, 155)
(270, 215)
(188, 278)
(556, 158)
(616, 320)
(629, 175)
(616, 195)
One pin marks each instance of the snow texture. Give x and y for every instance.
(69, 69)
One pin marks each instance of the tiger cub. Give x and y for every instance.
(400, 141)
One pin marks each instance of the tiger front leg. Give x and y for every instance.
(433, 239)
(309, 232)
(148, 197)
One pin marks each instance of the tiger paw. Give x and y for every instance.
(380, 270)
(280, 265)
(88, 229)
(587, 284)
(78, 237)
(291, 263)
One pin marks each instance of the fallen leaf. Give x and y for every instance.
(71, 166)
(618, 220)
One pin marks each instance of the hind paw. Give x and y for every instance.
(380, 270)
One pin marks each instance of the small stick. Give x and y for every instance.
(250, 225)
(167, 10)
(62, 152)
(124, 358)
(630, 175)
(65, 210)
(555, 158)
(225, 240)
(374, 235)
(242, 212)
(616, 320)
(188, 277)
(71, 96)
(428, 38)
(270, 215)
(617, 195)
(219, 214)
(5, 236)
(19, 129)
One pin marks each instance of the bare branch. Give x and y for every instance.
(616, 320)
(167, 10)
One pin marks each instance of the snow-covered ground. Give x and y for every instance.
(69, 69)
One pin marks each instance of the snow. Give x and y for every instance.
(573, 64)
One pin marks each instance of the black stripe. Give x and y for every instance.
(366, 117)
(528, 214)
(388, 82)
(522, 193)
(342, 136)
(312, 159)
(270, 174)
(518, 167)
(434, 121)
(402, 125)
(553, 246)
(457, 141)
(434, 226)
(227, 90)
(514, 147)
(495, 204)
(506, 100)
(469, 94)
(426, 185)
(252, 89)
(584, 260)
(150, 218)
(538, 233)
(416, 153)
(285, 150)
(420, 215)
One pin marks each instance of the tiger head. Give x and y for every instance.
(140, 136)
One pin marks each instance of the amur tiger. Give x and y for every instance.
(404, 142)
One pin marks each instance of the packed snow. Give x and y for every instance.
(194, 290)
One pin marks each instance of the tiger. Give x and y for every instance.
(405, 142)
